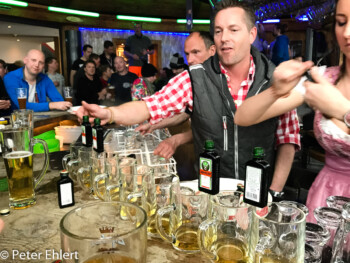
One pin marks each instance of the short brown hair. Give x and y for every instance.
(250, 13)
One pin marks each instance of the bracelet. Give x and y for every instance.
(347, 119)
(111, 119)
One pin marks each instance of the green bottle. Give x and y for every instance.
(209, 169)
(256, 179)
(86, 132)
(97, 136)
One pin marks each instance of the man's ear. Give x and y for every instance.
(212, 50)
(252, 34)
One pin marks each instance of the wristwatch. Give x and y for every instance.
(347, 119)
(276, 195)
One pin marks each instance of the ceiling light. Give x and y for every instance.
(195, 21)
(18, 40)
(9, 26)
(72, 11)
(13, 2)
(140, 18)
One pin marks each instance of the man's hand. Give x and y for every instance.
(94, 111)
(145, 128)
(5, 104)
(287, 75)
(325, 97)
(60, 105)
(56, 83)
(166, 148)
(102, 94)
(135, 57)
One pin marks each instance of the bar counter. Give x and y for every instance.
(36, 229)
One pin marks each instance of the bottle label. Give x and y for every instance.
(66, 194)
(94, 138)
(205, 173)
(83, 134)
(252, 186)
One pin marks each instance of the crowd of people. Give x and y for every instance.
(232, 93)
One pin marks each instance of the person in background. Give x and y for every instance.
(108, 55)
(5, 102)
(39, 86)
(143, 87)
(260, 42)
(329, 96)
(137, 48)
(164, 75)
(105, 82)
(51, 67)
(78, 63)
(177, 64)
(280, 49)
(122, 81)
(89, 87)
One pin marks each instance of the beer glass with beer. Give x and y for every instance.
(68, 94)
(187, 210)
(225, 236)
(99, 232)
(22, 97)
(278, 234)
(17, 149)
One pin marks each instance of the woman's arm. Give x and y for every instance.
(277, 99)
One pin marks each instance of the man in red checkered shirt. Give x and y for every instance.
(214, 91)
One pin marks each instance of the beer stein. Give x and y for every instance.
(157, 189)
(278, 234)
(23, 118)
(297, 205)
(316, 235)
(17, 150)
(188, 209)
(99, 232)
(329, 218)
(225, 236)
(341, 244)
(22, 97)
(337, 201)
(72, 158)
(84, 171)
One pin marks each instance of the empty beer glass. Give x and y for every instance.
(278, 234)
(23, 118)
(188, 209)
(84, 171)
(225, 237)
(329, 218)
(17, 149)
(72, 158)
(337, 201)
(99, 232)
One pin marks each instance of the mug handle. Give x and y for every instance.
(201, 236)
(95, 185)
(66, 159)
(132, 198)
(110, 190)
(38, 179)
(160, 213)
(80, 175)
(71, 168)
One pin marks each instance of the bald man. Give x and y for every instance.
(38, 85)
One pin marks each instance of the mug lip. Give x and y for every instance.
(241, 206)
(68, 233)
(282, 223)
(23, 110)
(11, 129)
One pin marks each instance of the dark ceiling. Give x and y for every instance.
(150, 8)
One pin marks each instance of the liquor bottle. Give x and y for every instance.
(209, 169)
(86, 132)
(97, 136)
(65, 190)
(256, 179)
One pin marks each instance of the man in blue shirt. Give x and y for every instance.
(38, 85)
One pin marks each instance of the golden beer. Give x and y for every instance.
(268, 257)
(186, 238)
(22, 103)
(152, 226)
(19, 167)
(230, 250)
(69, 99)
(110, 258)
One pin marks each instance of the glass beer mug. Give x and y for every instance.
(17, 149)
(100, 232)
(225, 236)
(278, 234)
(188, 209)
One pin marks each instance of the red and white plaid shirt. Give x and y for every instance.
(177, 95)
